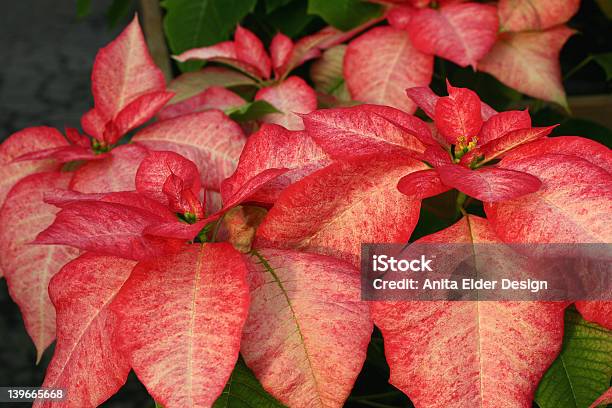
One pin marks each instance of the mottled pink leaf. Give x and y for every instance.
(23, 142)
(471, 353)
(155, 172)
(599, 312)
(489, 184)
(422, 184)
(250, 50)
(458, 114)
(275, 147)
(462, 33)
(191, 84)
(586, 149)
(305, 350)
(209, 139)
(139, 111)
(574, 203)
(115, 172)
(281, 48)
(437, 156)
(334, 210)
(214, 97)
(502, 123)
(85, 363)
(410, 123)
(498, 147)
(252, 186)
(527, 15)
(529, 62)
(93, 124)
(291, 96)
(400, 16)
(381, 63)
(114, 226)
(426, 99)
(224, 53)
(62, 154)
(225, 49)
(28, 268)
(124, 71)
(180, 322)
(358, 131)
(310, 46)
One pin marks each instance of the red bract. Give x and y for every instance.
(305, 350)
(128, 90)
(459, 119)
(166, 209)
(28, 268)
(128, 87)
(201, 296)
(343, 205)
(379, 64)
(383, 61)
(23, 142)
(525, 15)
(82, 293)
(209, 139)
(528, 62)
(291, 95)
(274, 147)
(450, 353)
(215, 97)
(460, 32)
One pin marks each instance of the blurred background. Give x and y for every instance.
(47, 49)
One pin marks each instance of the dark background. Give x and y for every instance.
(46, 55)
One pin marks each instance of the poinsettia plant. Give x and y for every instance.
(209, 238)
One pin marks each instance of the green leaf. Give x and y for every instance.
(292, 19)
(606, 7)
(117, 11)
(326, 72)
(251, 111)
(344, 14)
(83, 7)
(605, 61)
(244, 391)
(198, 23)
(272, 5)
(192, 83)
(582, 371)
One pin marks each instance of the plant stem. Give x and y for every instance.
(578, 67)
(461, 197)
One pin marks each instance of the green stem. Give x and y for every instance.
(461, 197)
(578, 67)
